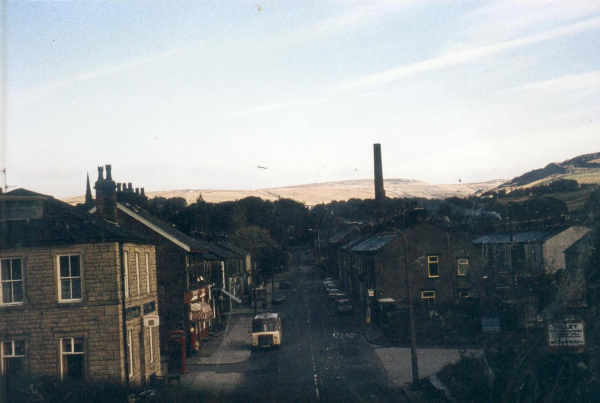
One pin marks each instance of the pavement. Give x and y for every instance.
(230, 345)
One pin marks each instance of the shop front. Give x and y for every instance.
(200, 316)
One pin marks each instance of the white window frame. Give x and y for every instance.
(130, 351)
(430, 260)
(463, 263)
(11, 281)
(12, 355)
(63, 354)
(70, 278)
(137, 272)
(148, 287)
(151, 342)
(126, 274)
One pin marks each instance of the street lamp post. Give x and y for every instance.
(413, 337)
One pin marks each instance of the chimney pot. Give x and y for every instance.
(100, 174)
(118, 187)
(143, 194)
(137, 191)
(108, 172)
(130, 187)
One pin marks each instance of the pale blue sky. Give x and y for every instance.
(196, 95)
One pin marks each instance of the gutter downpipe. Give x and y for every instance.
(413, 338)
(124, 313)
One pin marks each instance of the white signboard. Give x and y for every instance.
(568, 336)
(151, 320)
(195, 307)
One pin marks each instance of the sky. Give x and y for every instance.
(198, 95)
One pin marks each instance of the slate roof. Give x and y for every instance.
(341, 234)
(221, 252)
(228, 245)
(179, 238)
(375, 242)
(59, 224)
(354, 242)
(535, 236)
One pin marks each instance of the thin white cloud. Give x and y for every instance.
(466, 56)
(572, 82)
(102, 72)
(503, 19)
(283, 106)
(351, 19)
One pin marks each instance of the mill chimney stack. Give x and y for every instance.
(379, 190)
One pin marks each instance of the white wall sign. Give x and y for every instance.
(566, 337)
(151, 320)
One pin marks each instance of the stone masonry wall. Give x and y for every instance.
(42, 320)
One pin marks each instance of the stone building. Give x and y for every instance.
(75, 290)
(508, 256)
(442, 267)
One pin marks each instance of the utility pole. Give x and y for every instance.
(413, 338)
(254, 286)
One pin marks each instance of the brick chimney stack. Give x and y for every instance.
(106, 195)
(379, 190)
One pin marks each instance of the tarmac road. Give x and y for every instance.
(323, 357)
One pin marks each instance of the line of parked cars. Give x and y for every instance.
(343, 303)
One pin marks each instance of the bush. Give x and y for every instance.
(467, 380)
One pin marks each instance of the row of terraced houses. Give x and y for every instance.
(91, 292)
(440, 267)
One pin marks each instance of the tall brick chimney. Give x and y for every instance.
(106, 195)
(379, 191)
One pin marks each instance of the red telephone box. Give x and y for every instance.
(177, 352)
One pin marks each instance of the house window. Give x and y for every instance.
(12, 356)
(70, 277)
(11, 277)
(433, 266)
(126, 274)
(72, 358)
(137, 272)
(464, 294)
(428, 297)
(463, 267)
(147, 272)
(130, 351)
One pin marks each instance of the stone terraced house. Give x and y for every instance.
(77, 294)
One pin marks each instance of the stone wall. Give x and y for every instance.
(43, 319)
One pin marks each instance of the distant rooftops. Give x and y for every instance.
(32, 219)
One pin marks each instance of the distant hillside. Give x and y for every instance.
(317, 193)
(585, 169)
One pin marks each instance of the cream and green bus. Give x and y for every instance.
(266, 330)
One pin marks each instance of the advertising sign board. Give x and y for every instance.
(566, 337)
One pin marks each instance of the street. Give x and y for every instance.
(323, 358)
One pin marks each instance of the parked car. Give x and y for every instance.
(344, 306)
(340, 296)
(333, 293)
(329, 286)
(284, 285)
(278, 298)
(327, 280)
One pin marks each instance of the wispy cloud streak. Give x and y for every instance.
(106, 71)
(571, 82)
(466, 56)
